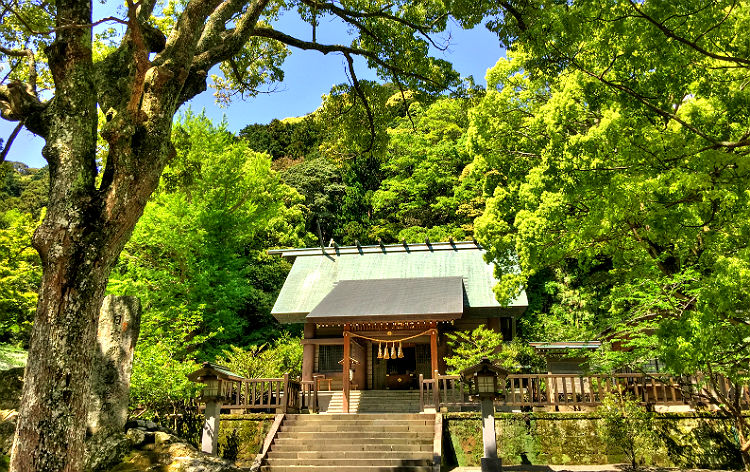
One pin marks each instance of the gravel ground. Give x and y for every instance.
(579, 468)
(551, 468)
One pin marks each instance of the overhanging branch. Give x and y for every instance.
(351, 17)
(668, 32)
(365, 102)
(9, 142)
(271, 33)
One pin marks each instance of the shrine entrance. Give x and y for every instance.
(400, 373)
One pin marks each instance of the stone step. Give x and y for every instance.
(354, 435)
(361, 418)
(348, 462)
(369, 454)
(338, 468)
(345, 427)
(353, 442)
(292, 445)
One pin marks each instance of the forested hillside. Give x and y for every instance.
(198, 256)
(617, 220)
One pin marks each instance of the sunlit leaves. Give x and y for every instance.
(599, 142)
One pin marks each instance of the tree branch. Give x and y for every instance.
(18, 102)
(52, 31)
(179, 50)
(10, 140)
(214, 47)
(365, 103)
(516, 14)
(671, 34)
(350, 16)
(329, 48)
(32, 63)
(715, 144)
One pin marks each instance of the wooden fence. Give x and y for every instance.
(279, 394)
(537, 390)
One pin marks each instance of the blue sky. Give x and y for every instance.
(308, 76)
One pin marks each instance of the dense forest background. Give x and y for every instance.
(618, 221)
(198, 259)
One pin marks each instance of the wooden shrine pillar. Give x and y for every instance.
(433, 349)
(308, 353)
(347, 367)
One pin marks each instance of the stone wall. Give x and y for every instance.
(686, 440)
(243, 435)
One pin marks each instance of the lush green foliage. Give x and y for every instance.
(22, 200)
(267, 360)
(623, 150)
(197, 257)
(159, 382)
(469, 347)
(321, 183)
(20, 274)
(290, 138)
(22, 188)
(626, 425)
(419, 194)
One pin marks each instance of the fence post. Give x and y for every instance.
(421, 393)
(436, 390)
(316, 408)
(285, 403)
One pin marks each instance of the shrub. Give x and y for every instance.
(626, 426)
(266, 361)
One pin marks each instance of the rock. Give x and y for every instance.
(105, 451)
(11, 384)
(136, 436)
(167, 453)
(119, 324)
(162, 438)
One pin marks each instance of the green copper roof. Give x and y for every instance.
(316, 271)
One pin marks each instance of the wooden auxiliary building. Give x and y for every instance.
(375, 316)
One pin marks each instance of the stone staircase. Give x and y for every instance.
(353, 443)
(374, 401)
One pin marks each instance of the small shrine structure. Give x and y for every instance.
(375, 317)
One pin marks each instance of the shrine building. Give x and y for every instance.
(381, 312)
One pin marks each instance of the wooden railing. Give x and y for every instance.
(309, 396)
(279, 394)
(428, 393)
(530, 390)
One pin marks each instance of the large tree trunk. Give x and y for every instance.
(86, 227)
(52, 419)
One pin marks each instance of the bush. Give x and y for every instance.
(159, 383)
(266, 361)
(626, 426)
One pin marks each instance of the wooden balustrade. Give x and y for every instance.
(574, 390)
(309, 395)
(279, 394)
(428, 393)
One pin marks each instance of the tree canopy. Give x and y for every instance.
(121, 92)
(624, 151)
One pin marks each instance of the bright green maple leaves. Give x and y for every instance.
(197, 257)
(605, 143)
